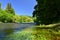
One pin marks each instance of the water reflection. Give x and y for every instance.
(8, 31)
(9, 28)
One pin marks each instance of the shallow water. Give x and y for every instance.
(8, 28)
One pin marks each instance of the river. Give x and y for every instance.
(7, 28)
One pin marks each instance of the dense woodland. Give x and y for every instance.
(47, 11)
(8, 15)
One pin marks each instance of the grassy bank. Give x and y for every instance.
(36, 33)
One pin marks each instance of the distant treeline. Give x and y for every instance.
(8, 15)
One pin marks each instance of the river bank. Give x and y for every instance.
(35, 33)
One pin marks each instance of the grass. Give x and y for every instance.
(35, 33)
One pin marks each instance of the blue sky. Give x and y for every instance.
(21, 7)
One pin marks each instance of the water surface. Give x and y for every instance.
(9, 28)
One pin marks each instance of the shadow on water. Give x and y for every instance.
(4, 33)
(8, 31)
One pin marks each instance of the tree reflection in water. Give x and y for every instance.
(8, 31)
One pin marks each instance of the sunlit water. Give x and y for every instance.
(8, 28)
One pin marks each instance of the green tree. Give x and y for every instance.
(9, 18)
(16, 18)
(6, 17)
(10, 9)
(48, 11)
(26, 19)
(0, 6)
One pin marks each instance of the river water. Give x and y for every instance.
(8, 28)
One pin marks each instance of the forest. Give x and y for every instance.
(8, 15)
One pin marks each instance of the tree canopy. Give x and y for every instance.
(10, 9)
(8, 15)
(47, 11)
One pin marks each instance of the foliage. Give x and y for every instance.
(26, 19)
(34, 33)
(8, 16)
(16, 18)
(0, 5)
(47, 11)
(10, 9)
(5, 17)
